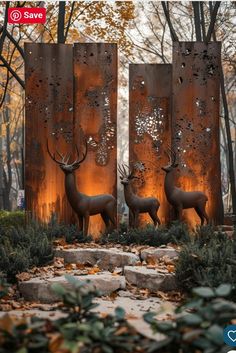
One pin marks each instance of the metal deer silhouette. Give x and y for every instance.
(135, 203)
(84, 205)
(180, 199)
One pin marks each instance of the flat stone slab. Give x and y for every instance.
(151, 279)
(40, 290)
(134, 308)
(158, 253)
(225, 227)
(105, 259)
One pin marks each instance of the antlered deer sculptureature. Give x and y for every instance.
(135, 203)
(84, 205)
(180, 199)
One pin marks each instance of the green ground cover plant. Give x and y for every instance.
(176, 233)
(209, 259)
(198, 325)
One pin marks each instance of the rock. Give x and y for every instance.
(225, 227)
(40, 290)
(151, 279)
(105, 259)
(158, 253)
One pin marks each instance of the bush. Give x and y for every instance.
(208, 259)
(177, 233)
(8, 219)
(22, 248)
(200, 330)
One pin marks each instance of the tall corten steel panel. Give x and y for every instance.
(95, 94)
(196, 90)
(49, 115)
(150, 130)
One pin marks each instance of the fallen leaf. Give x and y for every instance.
(150, 260)
(171, 268)
(80, 266)
(69, 267)
(56, 340)
(93, 270)
(24, 276)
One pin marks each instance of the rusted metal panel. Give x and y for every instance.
(150, 130)
(196, 122)
(95, 94)
(49, 114)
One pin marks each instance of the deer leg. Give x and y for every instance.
(80, 224)
(200, 215)
(203, 215)
(131, 217)
(111, 214)
(136, 213)
(105, 218)
(86, 225)
(154, 217)
(178, 213)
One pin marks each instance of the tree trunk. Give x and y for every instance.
(1, 167)
(197, 20)
(61, 22)
(7, 173)
(229, 140)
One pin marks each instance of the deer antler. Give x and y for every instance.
(172, 156)
(122, 171)
(78, 162)
(54, 157)
(67, 156)
(126, 174)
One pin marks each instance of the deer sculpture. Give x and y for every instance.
(180, 199)
(84, 205)
(135, 203)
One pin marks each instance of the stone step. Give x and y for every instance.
(151, 279)
(105, 259)
(39, 290)
(225, 228)
(158, 253)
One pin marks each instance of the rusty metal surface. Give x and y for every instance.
(49, 114)
(95, 111)
(150, 130)
(196, 122)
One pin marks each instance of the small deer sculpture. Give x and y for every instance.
(180, 199)
(135, 203)
(84, 205)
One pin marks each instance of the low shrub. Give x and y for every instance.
(198, 325)
(9, 218)
(22, 248)
(177, 233)
(3, 287)
(208, 259)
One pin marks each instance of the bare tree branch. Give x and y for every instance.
(6, 64)
(171, 28)
(69, 21)
(213, 20)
